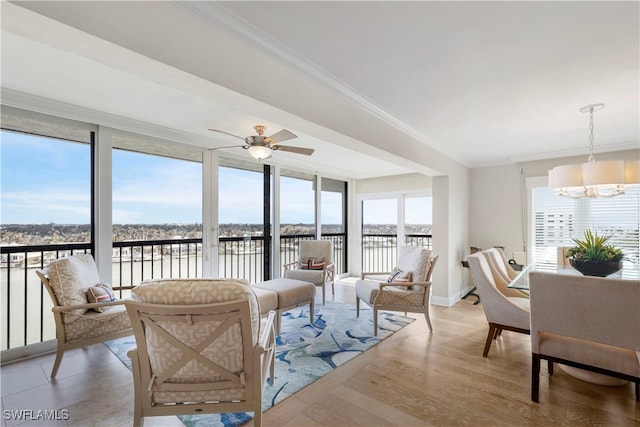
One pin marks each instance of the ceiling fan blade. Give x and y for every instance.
(283, 135)
(227, 133)
(297, 150)
(227, 146)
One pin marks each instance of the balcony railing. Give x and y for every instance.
(135, 261)
(379, 250)
(289, 248)
(26, 309)
(241, 258)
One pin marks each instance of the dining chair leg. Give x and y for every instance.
(535, 377)
(490, 337)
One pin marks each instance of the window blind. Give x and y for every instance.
(556, 220)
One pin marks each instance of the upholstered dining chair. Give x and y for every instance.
(314, 264)
(500, 260)
(84, 308)
(406, 289)
(201, 348)
(502, 312)
(590, 323)
(502, 273)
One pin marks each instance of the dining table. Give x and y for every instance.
(521, 281)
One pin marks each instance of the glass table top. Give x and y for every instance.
(521, 281)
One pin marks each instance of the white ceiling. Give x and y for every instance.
(479, 82)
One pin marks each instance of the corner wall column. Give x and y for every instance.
(103, 216)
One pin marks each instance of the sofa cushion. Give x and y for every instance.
(70, 278)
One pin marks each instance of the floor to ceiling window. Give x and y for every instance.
(46, 213)
(379, 234)
(156, 213)
(241, 220)
(297, 212)
(390, 222)
(418, 221)
(333, 219)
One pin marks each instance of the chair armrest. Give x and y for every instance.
(362, 276)
(63, 308)
(423, 284)
(291, 265)
(265, 339)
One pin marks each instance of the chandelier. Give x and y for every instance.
(593, 178)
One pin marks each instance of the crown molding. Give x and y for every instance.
(607, 148)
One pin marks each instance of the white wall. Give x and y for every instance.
(495, 213)
(414, 182)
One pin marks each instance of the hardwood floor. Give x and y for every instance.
(413, 378)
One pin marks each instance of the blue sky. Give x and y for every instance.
(45, 180)
(417, 210)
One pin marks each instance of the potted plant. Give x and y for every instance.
(593, 256)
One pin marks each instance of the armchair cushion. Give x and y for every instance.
(70, 278)
(415, 259)
(316, 277)
(199, 291)
(368, 290)
(93, 324)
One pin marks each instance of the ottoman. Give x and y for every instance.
(289, 293)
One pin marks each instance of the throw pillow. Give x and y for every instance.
(312, 263)
(101, 292)
(399, 276)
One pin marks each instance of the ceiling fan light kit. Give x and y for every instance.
(260, 147)
(594, 178)
(259, 152)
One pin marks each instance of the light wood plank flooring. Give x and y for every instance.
(413, 378)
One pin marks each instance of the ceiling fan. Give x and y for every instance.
(260, 146)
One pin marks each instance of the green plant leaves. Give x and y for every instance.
(594, 248)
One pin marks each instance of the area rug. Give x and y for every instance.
(304, 352)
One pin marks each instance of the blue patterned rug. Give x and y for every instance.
(304, 352)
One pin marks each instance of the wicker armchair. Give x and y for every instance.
(315, 265)
(78, 322)
(412, 293)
